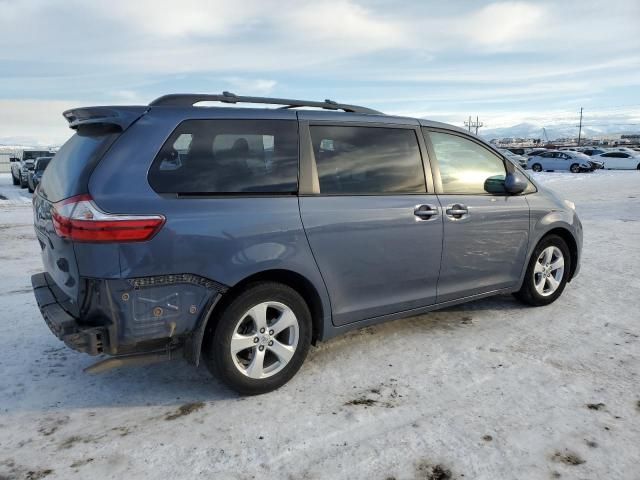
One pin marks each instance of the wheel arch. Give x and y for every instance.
(292, 279)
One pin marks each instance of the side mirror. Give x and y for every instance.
(495, 185)
(515, 182)
(13, 159)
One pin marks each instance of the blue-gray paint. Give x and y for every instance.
(368, 257)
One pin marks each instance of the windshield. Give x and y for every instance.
(33, 154)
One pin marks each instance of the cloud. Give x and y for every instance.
(34, 122)
(502, 25)
(257, 86)
(347, 26)
(429, 57)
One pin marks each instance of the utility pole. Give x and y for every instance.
(478, 125)
(470, 123)
(580, 127)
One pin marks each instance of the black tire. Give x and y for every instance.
(29, 188)
(536, 167)
(528, 293)
(638, 167)
(23, 184)
(575, 168)
(15, 180)
(217, 342)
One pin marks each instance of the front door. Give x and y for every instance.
(486, 231)
(374, 229)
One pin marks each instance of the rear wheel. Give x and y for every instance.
(575, 168)
(547, 272)
(260, 339)
(536, 167)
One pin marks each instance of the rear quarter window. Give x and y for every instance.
(228, 157)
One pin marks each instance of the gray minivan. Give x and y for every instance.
(240, 236)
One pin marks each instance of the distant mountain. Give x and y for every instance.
(554, 131)
(11, 144)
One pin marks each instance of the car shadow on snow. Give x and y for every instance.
(55, 379)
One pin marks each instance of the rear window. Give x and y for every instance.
(41, 164)
(228, 156)
(68, 173)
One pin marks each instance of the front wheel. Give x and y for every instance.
(638, 167)
(536, 167)
(547, 273)
(15, 180)
(575, 168)
(260, 339)
(23, 184)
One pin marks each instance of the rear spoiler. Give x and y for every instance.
(121, 117)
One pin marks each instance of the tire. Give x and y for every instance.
(239, 371)
(575, 168)
(536, 167)
(29, 188)
(529, 293)
(23, 184)
(15, 180)
(638, 167)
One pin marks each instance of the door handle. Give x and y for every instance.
(425, 212)
(457, 210)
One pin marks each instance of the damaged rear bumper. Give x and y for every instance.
(90, 339)
(129, 317)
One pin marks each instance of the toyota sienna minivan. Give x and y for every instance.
(241, 236)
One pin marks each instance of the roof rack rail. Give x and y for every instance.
(190, 99)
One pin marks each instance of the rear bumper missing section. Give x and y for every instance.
(90, 339)
(134, 319)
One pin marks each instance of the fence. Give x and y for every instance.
(5, 166)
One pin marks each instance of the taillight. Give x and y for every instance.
(79, 219)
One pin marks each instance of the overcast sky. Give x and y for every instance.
(508, 62)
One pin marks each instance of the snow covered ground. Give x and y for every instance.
(490, 390)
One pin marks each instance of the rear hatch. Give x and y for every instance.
(66, 178)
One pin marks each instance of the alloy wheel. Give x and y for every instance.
(264, 340)
(548, 271)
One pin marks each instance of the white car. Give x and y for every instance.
(514, 157)
(619, 160)
(556, 160)
(631, 151)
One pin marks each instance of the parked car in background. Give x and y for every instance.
(20, 169)
(536, 151)
(274, 228)
(629, 150)
(515, 158)
(592, 151)
(595, 164)
(555, 160)
(516, 151)
(619, 160)
(38, 169)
